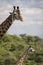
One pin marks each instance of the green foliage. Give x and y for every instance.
(39, 59)
(12, 47)
(9, 61)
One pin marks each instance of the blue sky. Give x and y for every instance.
(32, 12)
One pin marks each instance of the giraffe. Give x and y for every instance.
(8, 22)
(25, 56)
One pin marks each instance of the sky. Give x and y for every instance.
(32, 14)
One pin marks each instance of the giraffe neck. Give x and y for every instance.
(23, 58)
(5, 26)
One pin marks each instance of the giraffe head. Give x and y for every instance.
(16, 15)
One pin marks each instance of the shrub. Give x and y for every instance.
(9, 61)
(13, 47)
(39, 59)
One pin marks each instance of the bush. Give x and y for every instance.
(9, 61)
(13, 47)
(39, 59)
(20, 47)
(1, 63)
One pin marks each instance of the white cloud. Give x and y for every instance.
(33, 11)
(33, 16)
(4, 12)
(31, 23)
(41, 2)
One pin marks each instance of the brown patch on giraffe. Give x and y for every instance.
(1, 34)
(10, 23)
